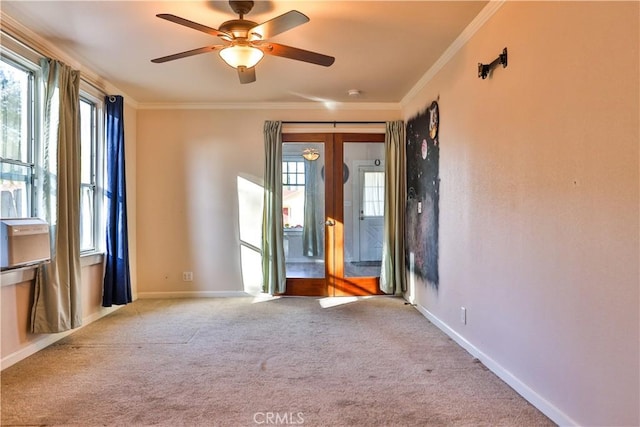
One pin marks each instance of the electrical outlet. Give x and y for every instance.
(419, 207)
(187, 276)
(463, 315)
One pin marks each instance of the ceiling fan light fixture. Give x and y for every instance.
(241, 56)
(310, 154)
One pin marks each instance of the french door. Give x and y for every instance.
(332, 202)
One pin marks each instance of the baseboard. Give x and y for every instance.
(46, 340)
(192, 294)
(546, 407)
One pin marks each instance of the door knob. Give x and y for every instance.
(330, 223)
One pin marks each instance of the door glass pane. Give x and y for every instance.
(303, 209)
(363, 208)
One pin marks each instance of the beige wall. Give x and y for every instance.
(130, 132)
(15, 314)
(539, 204)
(189, 163)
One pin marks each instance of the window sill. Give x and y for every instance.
(28, 273)
(91, 258)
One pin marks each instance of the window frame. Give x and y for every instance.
(286, 160)
(32, 128)
(91, 95)
(288, 185)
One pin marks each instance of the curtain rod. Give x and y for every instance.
(334, 123)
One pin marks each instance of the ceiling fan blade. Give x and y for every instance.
(247, 75)
(279, 24)
(187, 53)
(194, 25)
(297, 54)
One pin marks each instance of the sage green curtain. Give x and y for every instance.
(311, 232)
(273, 263)
(57, 304)
(392, 274)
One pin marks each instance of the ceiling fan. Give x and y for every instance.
(246, 42)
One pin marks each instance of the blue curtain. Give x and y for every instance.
(117, 281)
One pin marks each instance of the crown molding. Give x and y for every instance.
(338, 106)
(487, 12)
(39, 46)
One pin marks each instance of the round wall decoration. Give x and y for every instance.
(345, 173)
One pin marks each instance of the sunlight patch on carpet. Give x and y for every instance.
(263, 298)
(329, 302)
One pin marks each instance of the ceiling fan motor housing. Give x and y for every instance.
(238, 27)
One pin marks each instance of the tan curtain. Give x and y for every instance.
(57, 300)
(273, 264)
(392, 275)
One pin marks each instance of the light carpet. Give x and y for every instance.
(240, 362)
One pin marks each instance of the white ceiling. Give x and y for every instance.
(382, 48)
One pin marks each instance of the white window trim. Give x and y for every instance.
(36, 128)
(91, 94)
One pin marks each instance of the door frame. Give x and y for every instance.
(334, 283)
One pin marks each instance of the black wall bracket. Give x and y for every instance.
(485, 69)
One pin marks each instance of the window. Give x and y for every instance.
(16, 153)
(292, 194)
(23, 171)
(88, 145)
(292, 173)
(373, 194)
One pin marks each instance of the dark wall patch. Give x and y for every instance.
(423, 194)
